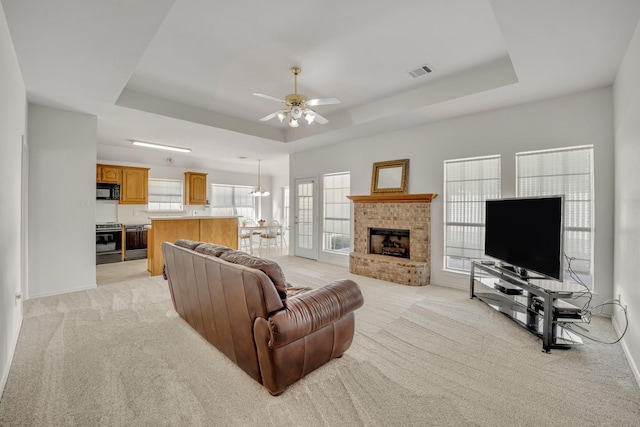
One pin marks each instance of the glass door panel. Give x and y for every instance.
(305, 223)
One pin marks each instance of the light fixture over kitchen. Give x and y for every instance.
(258, 191)
(160, 146)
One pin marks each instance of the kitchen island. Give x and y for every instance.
(221, 230)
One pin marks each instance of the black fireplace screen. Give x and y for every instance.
(391, 242)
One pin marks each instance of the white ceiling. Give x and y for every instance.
(182, 72)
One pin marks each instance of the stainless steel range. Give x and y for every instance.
(108, 243)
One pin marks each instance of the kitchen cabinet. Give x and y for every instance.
(134, 186)
(150, 249)
(195, 188)
(108, 174)
(219, 230)
(135, 245)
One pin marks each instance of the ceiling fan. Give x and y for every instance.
(296, 105)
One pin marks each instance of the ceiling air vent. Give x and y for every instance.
(420, 71)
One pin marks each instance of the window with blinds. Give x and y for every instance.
(567, 172)
(165, 195)
(232, 200)
(336, 234)
(468, 183)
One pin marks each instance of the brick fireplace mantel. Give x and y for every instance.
(393, 211)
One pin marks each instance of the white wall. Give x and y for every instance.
(13, 107)
(277, 194)
(627, 198)
(61, 201)
(579, 119)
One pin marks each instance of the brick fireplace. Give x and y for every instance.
(404, 222)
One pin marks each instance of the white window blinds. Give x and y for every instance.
(232, 200)
(337, 213)
(567, 172)
(165, 195)
(468, 183)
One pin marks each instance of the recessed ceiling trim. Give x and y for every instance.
(164, 107)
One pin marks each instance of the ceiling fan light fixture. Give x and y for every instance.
(296, 112)
(310, 117)
(296, 105)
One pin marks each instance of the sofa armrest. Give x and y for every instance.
(313, 310)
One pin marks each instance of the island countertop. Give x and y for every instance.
(222, 230)
(161, 218)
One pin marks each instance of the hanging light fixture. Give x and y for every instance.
(258, 191)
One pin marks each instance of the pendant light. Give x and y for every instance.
(258, 191)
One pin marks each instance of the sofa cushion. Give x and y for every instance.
(212, 249)
(268, 267)
(189, 244)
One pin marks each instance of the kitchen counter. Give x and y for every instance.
(165, 218)
(222, 230)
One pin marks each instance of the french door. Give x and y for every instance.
(305, 218)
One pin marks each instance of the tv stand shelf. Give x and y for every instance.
(528, 302)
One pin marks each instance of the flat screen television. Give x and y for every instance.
(527, 233)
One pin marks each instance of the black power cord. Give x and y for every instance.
(587, 311)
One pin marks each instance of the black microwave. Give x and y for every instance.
(107, 191)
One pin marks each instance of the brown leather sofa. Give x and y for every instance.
(243, 306)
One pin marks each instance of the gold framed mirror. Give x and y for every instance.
(390, 177)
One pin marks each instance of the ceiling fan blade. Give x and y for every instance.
(272, 98)
(321, 101)
(270, 116)
(317, 117)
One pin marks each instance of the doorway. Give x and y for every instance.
(305, 218)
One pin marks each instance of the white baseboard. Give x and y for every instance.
(63, 291)
(627, 352)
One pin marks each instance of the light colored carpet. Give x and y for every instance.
(119, 355)
(107, 274)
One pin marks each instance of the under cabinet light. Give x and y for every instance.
(161, 147)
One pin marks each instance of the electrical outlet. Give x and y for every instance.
(620, 302)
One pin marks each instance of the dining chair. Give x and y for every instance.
(245, 237)
(281, 233)
(270, 235)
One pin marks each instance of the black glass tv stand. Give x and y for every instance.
(528, 301)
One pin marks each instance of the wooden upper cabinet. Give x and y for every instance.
(195, 188)
(134, 187)
(109, 174)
